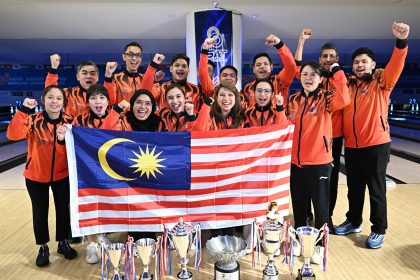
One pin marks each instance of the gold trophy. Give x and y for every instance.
(114, 252)
(146, 249)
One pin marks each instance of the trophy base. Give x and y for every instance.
(226, 274)
(301, 277)
(187, 276)
(271, 277)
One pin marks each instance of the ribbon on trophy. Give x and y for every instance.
(256, 242)
(326, 241)
(104, 262)
(166, 252)
(158, 270)
(197, 229)
(129, 267)
(288, 247)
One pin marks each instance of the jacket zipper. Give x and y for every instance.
(53, 154)
(354, 116)
(300, 128)
(325, 143)
(382, 122)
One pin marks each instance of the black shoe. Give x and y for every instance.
(43, 256)
(65, 249)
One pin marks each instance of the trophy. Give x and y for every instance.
(146, 249)
(226, 250)
(308, 237)
(114, 251)
(272, 236)
(181, 236)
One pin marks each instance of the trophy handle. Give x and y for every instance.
(321, 233)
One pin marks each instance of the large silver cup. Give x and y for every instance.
(145, 251)
(308, 237)
(182, 237)
(272, 232)
(226, 250)
(115, 251)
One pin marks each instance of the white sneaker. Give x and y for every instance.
(296, 248)
(317, 255)
(92, 253)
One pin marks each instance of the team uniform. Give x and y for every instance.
(173, 122)
(90, 119)
(206, 122)
(367, 140)
(261, 116)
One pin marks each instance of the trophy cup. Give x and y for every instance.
(146, 249)
(272, 231)
(226, 250)
(181, 236)
(114, 252)
(308, 237)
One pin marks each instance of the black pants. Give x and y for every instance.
(310, 182)
(39, 194)
(368, 166)
(336, 153)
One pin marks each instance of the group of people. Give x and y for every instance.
(330, 106)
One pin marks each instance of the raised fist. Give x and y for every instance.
(279, 99)
(400, 30)
(272, 40)
(55, 61)
(110, 68)
(333, 65)
(124, 105)
(189, 108)
(159, 76)
(61, 132)
(30, 103)
(209, 43)
(158, 58)
(306, 34)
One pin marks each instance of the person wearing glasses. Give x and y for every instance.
(125, 83)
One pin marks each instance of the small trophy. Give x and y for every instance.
(308, 237)
(181, 236)
(226, 250)
(114, 252)
(146, 249)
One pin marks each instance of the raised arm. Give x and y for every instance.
(341, 95)
(109, 84)
(19, 126)
(304, 35)
(52, 76)
(206, 83)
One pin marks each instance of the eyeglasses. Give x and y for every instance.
(144, 103)
(132, 55)
(263, 91)
(325, 55)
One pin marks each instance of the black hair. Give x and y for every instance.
(132, 44)
(49, 88)
(258, 55)
(328, 46)
(96, 89)
(265, 81)
(229, 67)
(211, 63)
(314, 65)
(365, 51)
(87, 63)
(180, 56)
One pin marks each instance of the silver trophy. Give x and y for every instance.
(114, 252)
(146, 249)
(272, 235)
(182, 237)
(226, 250)
(308, 237)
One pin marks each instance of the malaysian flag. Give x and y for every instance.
(137, 181)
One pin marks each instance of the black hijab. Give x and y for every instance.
(149, 124)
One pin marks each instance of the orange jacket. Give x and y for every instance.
(193, 94)
(312, 138)
(174, 123)
(281, 81)
(75, 96)
(204, 122)
(47, 159)
(117, 120)
(337, 115)
(206, 83)
(89, 119)
(261, 116)
(366, 118)
(124, 84)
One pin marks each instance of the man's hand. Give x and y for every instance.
(400, 30)
(30, 103)
(110, 68)
(189, 109)
(125, 105)
(272, 40)
(55, 61)
(209, 43)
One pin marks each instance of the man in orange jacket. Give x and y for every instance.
(367, 137)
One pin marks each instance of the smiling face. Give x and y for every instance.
(327, 58)
(132, 58)
(142, 107)
(53, 101)
(309, 79)
(263, 93)
(262, 68)
(228, 76)
(176, 100)
(363, 65)
(225, 100)
(87, 76)
(98, 104)
(179, 70)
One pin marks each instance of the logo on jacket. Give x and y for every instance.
(312, 110)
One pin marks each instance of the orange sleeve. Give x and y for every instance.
(149, 77)
(18, 128)
(109, 84)
(52, 78)
(393, 69)
(342, 95)
(203, 120)
(112, 121)
(280, 116)
(288, 73)
(205, 81)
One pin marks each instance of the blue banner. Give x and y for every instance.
(216, 24)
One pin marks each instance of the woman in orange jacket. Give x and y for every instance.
(46, 166)
(311, 110)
